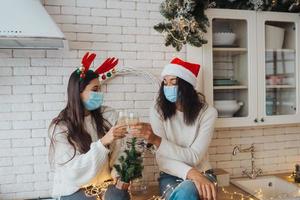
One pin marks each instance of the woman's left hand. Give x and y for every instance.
(206, 189)
(144, 130)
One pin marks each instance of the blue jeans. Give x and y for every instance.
(77, 196)
(174, 188)
(112, 193)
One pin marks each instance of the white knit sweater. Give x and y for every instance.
(93, 167)
(183, 147)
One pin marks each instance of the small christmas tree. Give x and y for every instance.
(130, 166)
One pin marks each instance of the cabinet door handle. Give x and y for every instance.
(262, 119)
(255, 120)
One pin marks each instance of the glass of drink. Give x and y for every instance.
(123, 118)
(123, 121)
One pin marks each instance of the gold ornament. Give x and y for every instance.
(181, 24)
(193, 25)
(82, 69)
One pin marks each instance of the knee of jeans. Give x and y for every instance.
(185, 190)
(113, 193)
(188, 186)
(166, 182)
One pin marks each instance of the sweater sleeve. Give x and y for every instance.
(83, 167)
(116, 147)
(173, 167)
(193, 154)
(156, 122)
(116, 152)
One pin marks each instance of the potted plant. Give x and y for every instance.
(129, 168)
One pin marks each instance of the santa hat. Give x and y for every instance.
(184, 70)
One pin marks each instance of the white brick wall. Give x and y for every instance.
(33, 85)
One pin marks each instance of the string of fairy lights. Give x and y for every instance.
(99, 191)
(155, 81)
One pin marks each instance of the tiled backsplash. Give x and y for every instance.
(33, 84)
(277, 149)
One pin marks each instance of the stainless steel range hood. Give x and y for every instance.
(25, 24)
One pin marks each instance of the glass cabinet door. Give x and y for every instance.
(280, 68)
(230, 67)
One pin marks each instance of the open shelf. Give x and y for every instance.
(281, 50)
(231, 87)
(280, 86)
(225, 51)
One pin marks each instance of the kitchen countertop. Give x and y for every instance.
(222, 191)
(221, 195)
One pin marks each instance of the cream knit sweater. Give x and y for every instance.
(182, 146)
(93, 167)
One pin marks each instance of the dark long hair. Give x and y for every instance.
(72, 116)
(190, 100)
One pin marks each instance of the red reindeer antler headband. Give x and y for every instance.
(106, 69)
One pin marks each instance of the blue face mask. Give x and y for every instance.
(95, 101)
(171, 93)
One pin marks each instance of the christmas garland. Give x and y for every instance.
(260, 5)
(187, 22)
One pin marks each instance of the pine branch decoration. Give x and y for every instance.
(186, 23)
(261, 5)
(130, 166)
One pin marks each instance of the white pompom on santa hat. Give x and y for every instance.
(182, 69)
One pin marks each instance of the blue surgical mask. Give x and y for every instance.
(95, 101)
(171, 93)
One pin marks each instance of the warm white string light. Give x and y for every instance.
(234, 194)
(97, 191)
(147, 75)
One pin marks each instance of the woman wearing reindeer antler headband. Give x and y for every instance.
(84, 137)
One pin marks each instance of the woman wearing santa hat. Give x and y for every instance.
(84, 137)
(181, 128)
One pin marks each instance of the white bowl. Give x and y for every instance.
(223, 38)
(227, 108)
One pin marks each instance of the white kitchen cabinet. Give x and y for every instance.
(259, 70)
